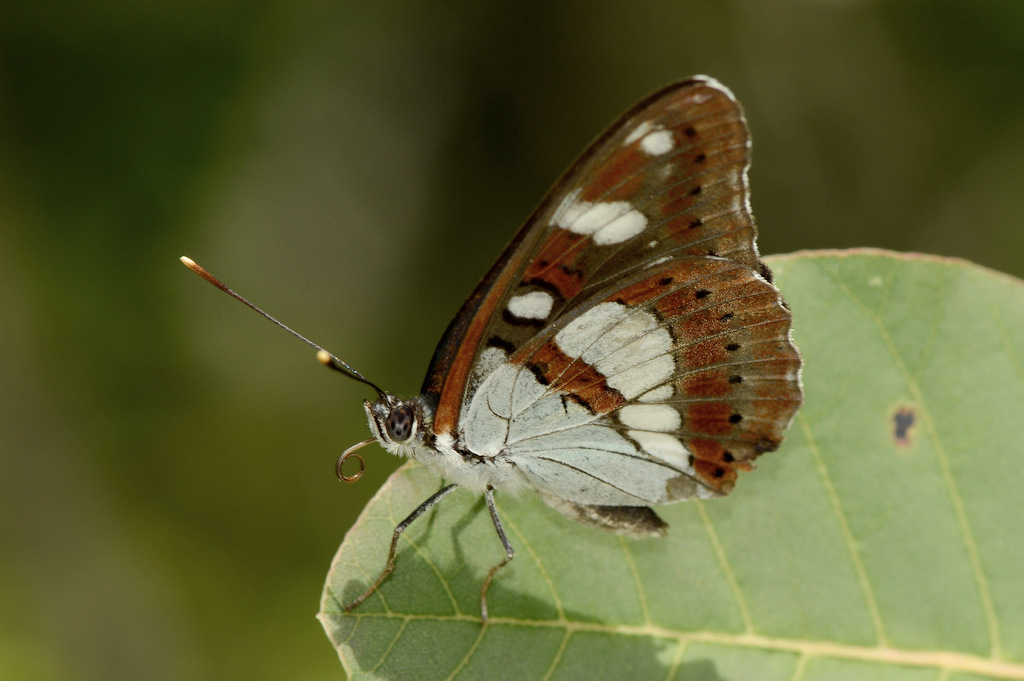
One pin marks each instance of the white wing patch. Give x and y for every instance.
(628, 346)
(658, 143)
(663, 446)
(639, 131)
(656, 417)
(559, 447)
(659, 394)
(586, 476)
(532, 305)
(511, 407)
(607, 223)
(654, 139)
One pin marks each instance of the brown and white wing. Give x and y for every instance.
(629, 348)
(666, 180)
(656, 389)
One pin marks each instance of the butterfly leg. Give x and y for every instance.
(510, 553)
(420, 510)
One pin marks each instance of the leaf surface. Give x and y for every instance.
(884, 540)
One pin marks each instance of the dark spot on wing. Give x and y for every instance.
(580, 401)
(501, 344)
(552, 286)
(538, 372)
(521, 321)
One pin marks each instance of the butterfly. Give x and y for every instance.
(627, 349)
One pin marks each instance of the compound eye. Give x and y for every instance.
(400, 422)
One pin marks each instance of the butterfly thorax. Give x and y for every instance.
(406, 428)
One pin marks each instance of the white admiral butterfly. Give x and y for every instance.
(628, 348)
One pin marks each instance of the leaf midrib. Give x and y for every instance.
(934, 659)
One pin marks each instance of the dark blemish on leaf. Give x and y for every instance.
(732, 347)
(696, 222)
(666, 281)
(703, 293)
(903, 422)
(690, 131)
(735, 379)
(735, 418)
(726, 317)
(699, 158)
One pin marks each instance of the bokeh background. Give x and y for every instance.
(168, 508)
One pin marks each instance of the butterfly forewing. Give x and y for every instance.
(628, 345)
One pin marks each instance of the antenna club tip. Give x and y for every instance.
(191, 264)
(324, 357)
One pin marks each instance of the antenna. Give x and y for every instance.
(324, 357)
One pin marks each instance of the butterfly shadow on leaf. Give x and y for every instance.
(426, 614)
(442, 645)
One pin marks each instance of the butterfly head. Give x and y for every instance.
(396, 424)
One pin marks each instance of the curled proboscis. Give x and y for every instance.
(345, 456)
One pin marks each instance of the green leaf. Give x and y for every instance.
(856, 551)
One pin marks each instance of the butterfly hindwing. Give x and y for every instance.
(654, 391)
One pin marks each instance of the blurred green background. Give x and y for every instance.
(168, 508)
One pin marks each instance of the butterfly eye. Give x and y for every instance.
(400, 422)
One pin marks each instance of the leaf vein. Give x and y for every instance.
(723, 560)
(558, 655)
(640, 592)
(391, 645)
(844, 525)
(525, 543)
